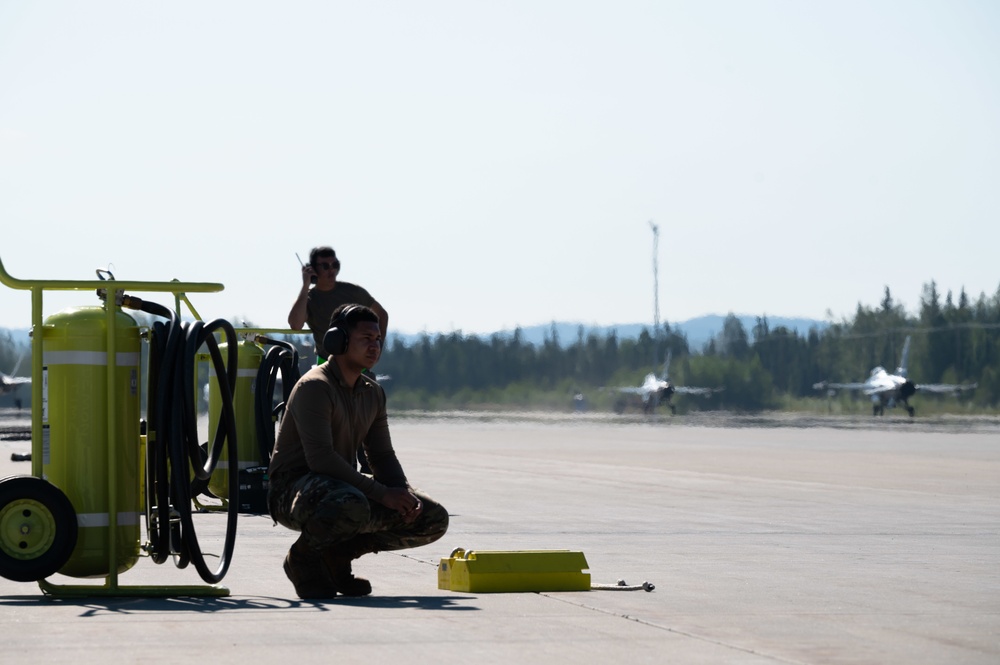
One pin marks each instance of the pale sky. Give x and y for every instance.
(482, 165)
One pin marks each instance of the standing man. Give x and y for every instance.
(342, 514)
(314, 306)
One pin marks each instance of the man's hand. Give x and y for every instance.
(404, 502)
(308, 275)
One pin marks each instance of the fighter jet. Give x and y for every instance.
(655, 390)
(11, 382)
(888, 390)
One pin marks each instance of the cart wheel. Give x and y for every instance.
(37, 528)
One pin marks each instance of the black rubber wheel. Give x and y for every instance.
(37, 528)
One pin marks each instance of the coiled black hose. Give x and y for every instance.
(281, 358)
(175, 470)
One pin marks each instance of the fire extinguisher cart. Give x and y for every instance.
(48, 524)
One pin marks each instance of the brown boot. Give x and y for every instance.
(304, 567)
(338, 565)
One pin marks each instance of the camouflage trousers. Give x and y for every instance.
(331, 512)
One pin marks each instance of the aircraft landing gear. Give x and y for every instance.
(878, 410)
(910, 410)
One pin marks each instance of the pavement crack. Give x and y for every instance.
(675, 631)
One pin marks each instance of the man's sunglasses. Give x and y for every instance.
(335, 265)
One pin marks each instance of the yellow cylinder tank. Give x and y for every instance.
(75, 438)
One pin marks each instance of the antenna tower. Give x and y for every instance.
(656, 293)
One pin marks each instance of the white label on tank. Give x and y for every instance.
(88, 520)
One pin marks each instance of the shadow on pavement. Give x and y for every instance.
(101, 606)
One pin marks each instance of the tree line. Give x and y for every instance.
(954, 340)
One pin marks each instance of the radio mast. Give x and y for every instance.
(656, 294)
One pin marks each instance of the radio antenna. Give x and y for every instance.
(656, 294)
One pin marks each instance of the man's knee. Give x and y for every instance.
(436, 520)
(433, 524)
(340, 514)
(320, 506)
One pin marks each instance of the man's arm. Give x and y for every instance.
(383, 320)
(297, 315)
(378, 445)
(381, 455)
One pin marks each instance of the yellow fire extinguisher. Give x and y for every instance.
(75, 432)
(249, 359)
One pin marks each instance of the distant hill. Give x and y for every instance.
(699, 331)
(20, 336)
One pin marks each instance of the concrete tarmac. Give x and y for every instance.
(847, 541)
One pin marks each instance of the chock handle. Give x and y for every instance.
(622, 586)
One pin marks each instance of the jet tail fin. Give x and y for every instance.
(666, 368)
(17, 365)
(904, 362)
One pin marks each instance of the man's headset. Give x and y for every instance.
(335, 339)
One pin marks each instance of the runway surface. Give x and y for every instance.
(769, 540)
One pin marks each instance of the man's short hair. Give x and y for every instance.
(318, 253)
(349, 315)
(342, 324)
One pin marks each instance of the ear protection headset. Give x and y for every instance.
(335, 339)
